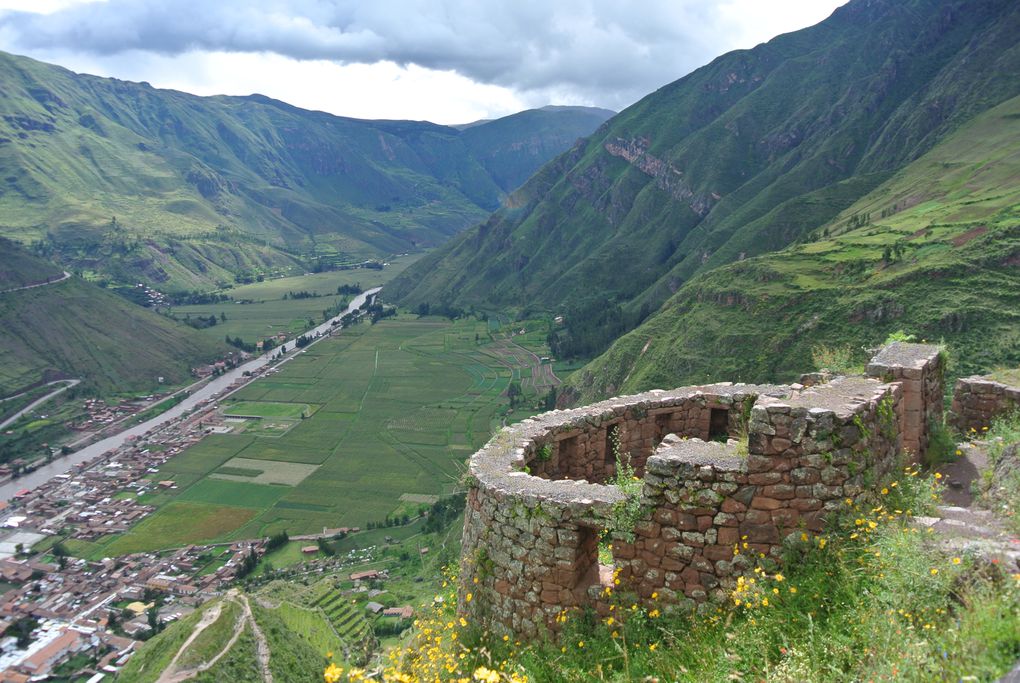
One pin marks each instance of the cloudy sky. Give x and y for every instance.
(447, 61)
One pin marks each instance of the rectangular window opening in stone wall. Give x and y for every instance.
(718, 424)
(567, 458)
(662, 427)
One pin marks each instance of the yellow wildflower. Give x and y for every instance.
(332, 673)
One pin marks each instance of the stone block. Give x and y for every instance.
(765, 503)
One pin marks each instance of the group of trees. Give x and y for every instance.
(303, 294)
(590, 326)
(202, 322)
(277, 541)
(445, 310)
(248, 564)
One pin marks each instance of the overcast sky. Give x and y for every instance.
(447, 61)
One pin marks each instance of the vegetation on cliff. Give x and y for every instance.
(933, 251)
(744, 156)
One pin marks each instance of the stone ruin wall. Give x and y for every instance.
(979, 400)
(539, 499)
(922, 378)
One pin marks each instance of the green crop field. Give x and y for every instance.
(395, 409)
(266, 312)
(176, 524)
(291, 411)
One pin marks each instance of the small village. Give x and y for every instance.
(61, 609)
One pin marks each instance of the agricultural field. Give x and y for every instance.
(266, 312)
(393, 411)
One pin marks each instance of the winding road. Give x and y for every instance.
(38, 284)
(68, 383)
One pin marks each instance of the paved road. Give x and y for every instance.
(68, 383)
(216, 389)
(38, 284)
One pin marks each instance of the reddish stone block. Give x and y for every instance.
(718, 552)
(651, 559)
(780, 444)
(704, 523)
(623, 550)
(779, 492)
(806, 504)
(764, 478)
(665, 516)
(686, 522)
(814, 521)
(728, 536)
(647, 529)
(785, 517)
(731, 506)
(765, 503)
(760, 533)
(670, 564)
(757, 517)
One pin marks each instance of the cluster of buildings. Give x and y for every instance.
(71, 606)
(102, 608)
(152, 297)
(100, 497)
(99, 414)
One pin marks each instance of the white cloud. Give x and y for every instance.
(444, 60)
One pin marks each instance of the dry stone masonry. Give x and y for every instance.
(719, 465)
(979, 400)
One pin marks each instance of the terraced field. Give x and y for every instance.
(344, 616)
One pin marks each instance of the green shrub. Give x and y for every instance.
(840, 360)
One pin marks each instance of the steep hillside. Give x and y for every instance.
(20, 269)
(71, 328)
(741, 157)
(934, 251)
(509, 147)
(184, 191)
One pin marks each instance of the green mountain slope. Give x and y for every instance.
(509, 147)
(20, 269)
(741, 157)
(934, 251)
(168, 188)
(71, 328)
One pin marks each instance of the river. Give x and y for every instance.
(211, 390)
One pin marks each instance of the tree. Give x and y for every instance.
(155, 624)
(513, 392)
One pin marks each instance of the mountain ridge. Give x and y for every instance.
(724, 164)
(932, 252)
(204, 188)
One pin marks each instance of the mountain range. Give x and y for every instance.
(183, 192)
(759, 151)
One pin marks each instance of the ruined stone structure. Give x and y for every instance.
(979, 400)
(719, 465)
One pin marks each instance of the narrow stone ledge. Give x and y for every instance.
(676, 456)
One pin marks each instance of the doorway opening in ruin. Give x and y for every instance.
(718, 424)
(587, 568)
